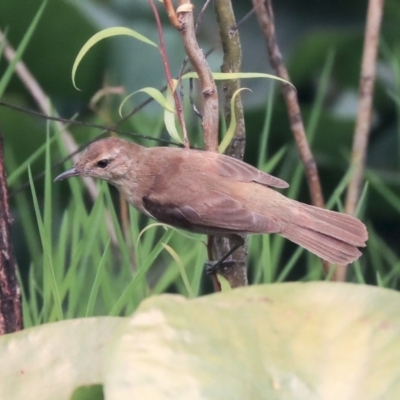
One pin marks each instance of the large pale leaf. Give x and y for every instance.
(48, 362)
(285, 341)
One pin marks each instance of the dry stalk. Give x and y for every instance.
(265, 18)
(363, 122)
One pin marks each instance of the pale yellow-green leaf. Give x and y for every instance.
(292, 341)
(166, 226)
(232, 125)
(106, 33)
(225, 286)
(153, 225)
(169, 117)
(48, 362)
(181, 267)
(237, 75)
(153, 93)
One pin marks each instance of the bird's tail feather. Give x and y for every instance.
(333, 236)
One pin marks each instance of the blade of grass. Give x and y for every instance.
(29, 227)
(21, 48)
(323, 85)
(181, 268)
(49, 282)
(263, 153)
(140, 274)
(97, 281)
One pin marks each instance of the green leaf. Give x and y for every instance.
(155, 94)
(106, 33)
(237, 75)
(181, 267)
(169, 117)
(285, 341)
(232, 126)
(48, 362)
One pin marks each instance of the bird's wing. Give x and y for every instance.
(216, 216)
(237, 170)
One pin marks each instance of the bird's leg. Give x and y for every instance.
(214, 267)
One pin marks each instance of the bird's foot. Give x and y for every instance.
(219, 267)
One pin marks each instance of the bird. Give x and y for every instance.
(211, 193)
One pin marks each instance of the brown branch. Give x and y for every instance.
(265, 18)
(366, 92)
(208, 88)
(363, 122)
(232, 62)
(10, 297)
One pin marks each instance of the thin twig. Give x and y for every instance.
(366, 92)
(265, 18)
(168, 75)
(232, 61)
(169, 8)
(106, 129)
(363, 122)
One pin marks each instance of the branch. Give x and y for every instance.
(232, 62)
(210, 120)
(366, 92)
(10, 296)
(363, 122)
(265, 18)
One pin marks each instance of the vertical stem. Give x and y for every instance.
(366, 92)
(265, 18)
(232, 62)
(363, 122)
(10, 298)
(168, 75)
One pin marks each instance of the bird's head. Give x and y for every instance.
(106, 159)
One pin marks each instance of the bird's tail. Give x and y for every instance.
(333, 236)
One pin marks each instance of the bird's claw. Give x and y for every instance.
(218, 267)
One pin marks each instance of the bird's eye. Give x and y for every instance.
(102, 163)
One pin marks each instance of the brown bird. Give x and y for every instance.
(211, 193)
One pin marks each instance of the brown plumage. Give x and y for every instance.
(210, 193)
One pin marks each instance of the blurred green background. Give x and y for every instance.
(310, 34)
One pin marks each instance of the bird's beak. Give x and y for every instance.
(67, 174)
